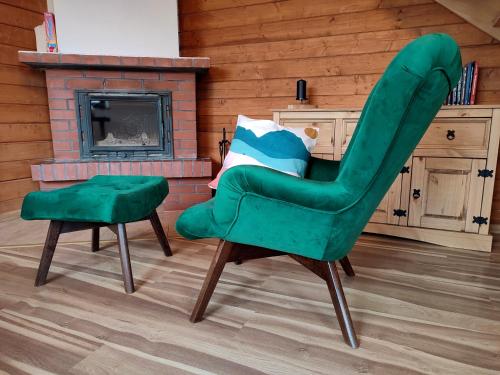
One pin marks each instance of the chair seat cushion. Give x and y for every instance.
(106, 199)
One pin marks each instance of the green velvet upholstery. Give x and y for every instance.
(104, 199)
(321, 216)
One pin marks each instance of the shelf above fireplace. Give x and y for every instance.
(46, 60)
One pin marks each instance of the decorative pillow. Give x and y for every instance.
(268, 144)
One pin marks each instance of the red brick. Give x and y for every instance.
(201, 62)
(92, 169)
(83, 173)
(55, 185)
(50, 58)
(72, 125)
(187, 168)
(28, 56)
(103, 74)
(63, 73)
(167, 169)
(194, 198)
(207, 168)
(177, 76)
(70, 104)
(125, 168)
(176, 168)
(64, 136)
(147, 61)
(203, 188)
(163, 62)
(184, 115)
(71, 58)
(90, 59)
(136, 168)
(114, 168)
(184, 134)
(173, 206)
(188, 144)
(122, 84)
(146, 168)
(141, 75)
(62, 114)
(185, 62)
(129, 61)
(59, 93)
(181, 189)
(185, 106)
(188, 154)
(70, 171)
(103, 168)
(66, 155)
(197, 168)
(58, 171)
(47, 172)
(57, 83)
(157, 170)
(35, 172)
(58, 104)
(184, 95)
(160, 85)
(187, 86)
(62, 145)
(184, 124)
(84, 83)
(110, 60)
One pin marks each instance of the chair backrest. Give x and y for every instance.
(396, 115)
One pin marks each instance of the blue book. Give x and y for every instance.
(470, 74)
(462, 87)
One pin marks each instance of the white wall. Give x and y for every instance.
(117, 27)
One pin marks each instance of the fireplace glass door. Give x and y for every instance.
(121, 125)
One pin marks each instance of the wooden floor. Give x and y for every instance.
(418, 309)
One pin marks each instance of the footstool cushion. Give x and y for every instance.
(105, 199)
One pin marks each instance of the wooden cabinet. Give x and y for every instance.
(444, 193)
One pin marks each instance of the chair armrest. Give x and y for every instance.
(322, 170)
(250, 179)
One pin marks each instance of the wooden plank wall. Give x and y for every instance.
(24, 117)
(259, 48)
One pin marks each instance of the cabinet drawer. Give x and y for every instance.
(460, 134)
(324, 144)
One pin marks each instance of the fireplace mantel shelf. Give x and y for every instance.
(46, 60)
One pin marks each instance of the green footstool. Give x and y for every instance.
(102, 201)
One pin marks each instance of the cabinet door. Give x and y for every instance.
(324, 145)
(446, 193)
(387, 211)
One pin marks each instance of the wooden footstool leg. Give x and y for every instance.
(95, 239)
(128, 280)
(48, 252)
(160, 234)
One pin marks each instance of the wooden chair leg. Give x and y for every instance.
(48, 252)
(340, 304)
(218, 262)
(160, 233)
(128, 280)
(95, 239)
(346, 266)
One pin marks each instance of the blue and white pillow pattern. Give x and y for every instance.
(268, 144)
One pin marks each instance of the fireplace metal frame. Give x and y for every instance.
(88, 150)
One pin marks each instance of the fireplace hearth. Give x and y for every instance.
(122, 124)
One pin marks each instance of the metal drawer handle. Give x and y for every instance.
(416, 193)
(450, 134)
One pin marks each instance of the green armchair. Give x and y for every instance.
(260, 212)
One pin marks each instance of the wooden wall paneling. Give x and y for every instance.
(25, 136)
(259, 48)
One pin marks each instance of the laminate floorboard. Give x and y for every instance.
(417, 308)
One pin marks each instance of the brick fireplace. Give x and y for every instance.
(69, 74)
